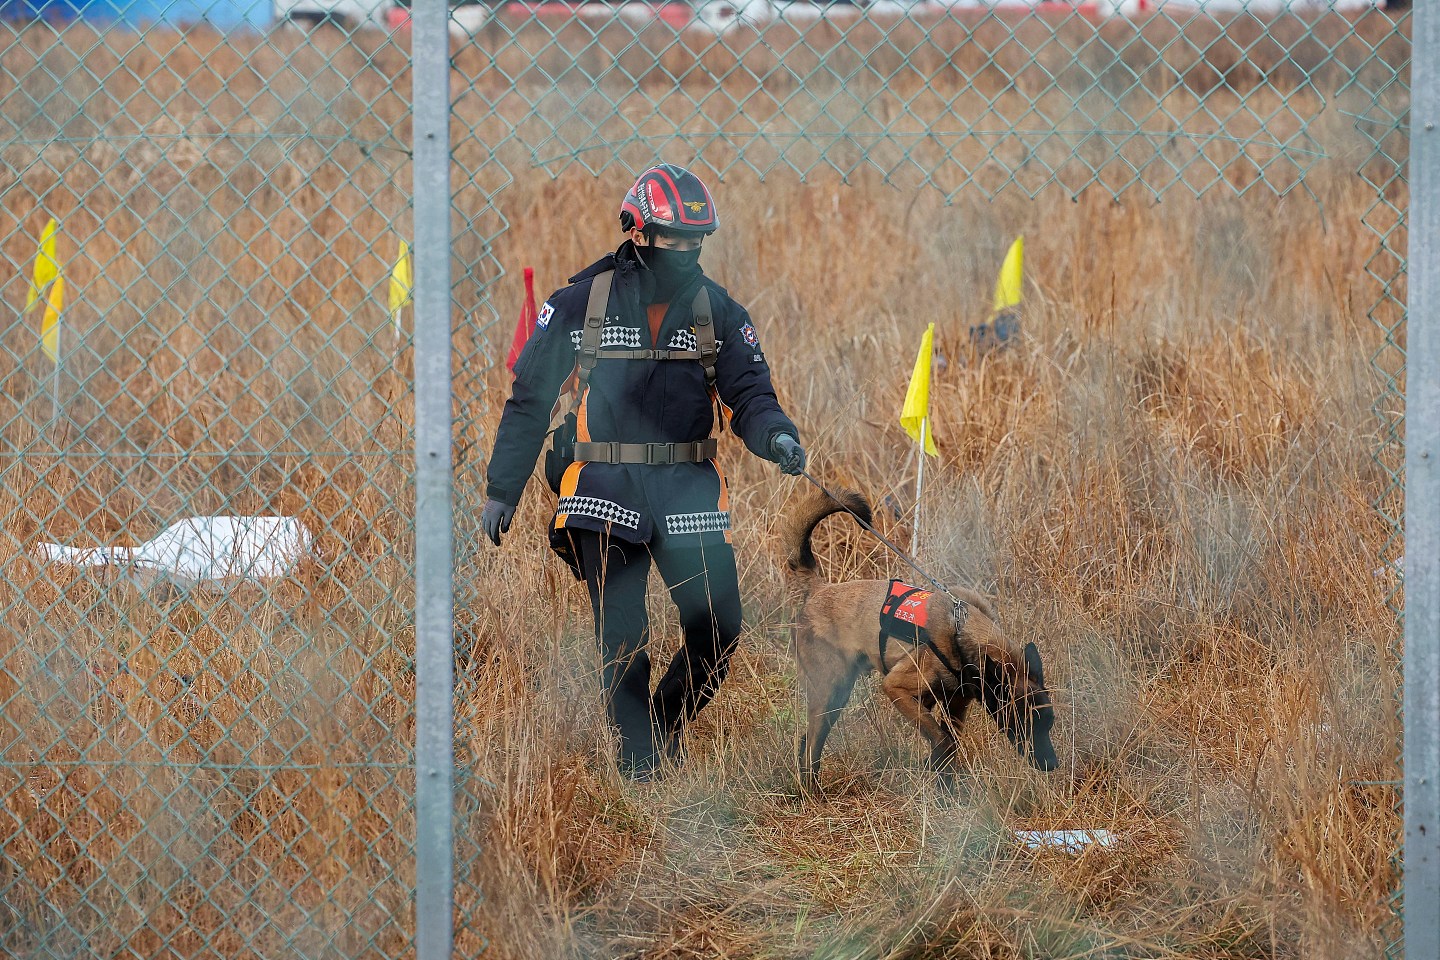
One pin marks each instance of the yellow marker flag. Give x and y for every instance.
(1010, 284)
(47, 266)
(50, 325)
(402, 284)
(917, 399)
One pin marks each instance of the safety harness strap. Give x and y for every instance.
(652, 454)
(706, 351)
(705, 333)
(595, 309)
(651, 355)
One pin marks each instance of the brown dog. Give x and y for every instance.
(964, 657)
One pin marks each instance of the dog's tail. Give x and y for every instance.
(804, 570)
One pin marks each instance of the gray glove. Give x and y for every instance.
(495, 519)
(787, 452)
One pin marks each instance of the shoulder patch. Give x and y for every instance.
(749, 334)
(542, 319)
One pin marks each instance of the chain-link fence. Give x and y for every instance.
(215, 219)
(208, 654)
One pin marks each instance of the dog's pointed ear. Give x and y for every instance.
(1033, 666)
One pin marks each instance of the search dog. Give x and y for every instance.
(961, 656)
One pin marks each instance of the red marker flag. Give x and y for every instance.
(526, 324)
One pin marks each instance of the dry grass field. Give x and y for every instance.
(1168, 484)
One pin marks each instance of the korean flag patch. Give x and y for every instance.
(751, 337)
(542, 319)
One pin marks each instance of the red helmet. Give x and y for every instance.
(669, 198)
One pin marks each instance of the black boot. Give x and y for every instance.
(639, 762)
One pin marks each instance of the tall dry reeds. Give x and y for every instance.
(1167, 483)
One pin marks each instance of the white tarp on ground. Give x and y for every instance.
(1071, 841)
(203, 550)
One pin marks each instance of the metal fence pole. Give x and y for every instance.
(434, 538)
(1421, 858)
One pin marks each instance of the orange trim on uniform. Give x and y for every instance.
(568, 485)
(725, 412)
(655, 313)
(582, 417)
(724, 505)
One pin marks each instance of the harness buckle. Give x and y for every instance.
(659, 454)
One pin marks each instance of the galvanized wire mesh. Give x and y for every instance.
(1383, 119)
(196, 765)
(198, 756)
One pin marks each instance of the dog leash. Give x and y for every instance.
(882, 538)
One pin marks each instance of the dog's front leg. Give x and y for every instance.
(913, 704)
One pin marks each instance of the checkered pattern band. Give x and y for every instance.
(714, 520)
(607, 510)
(628, 337)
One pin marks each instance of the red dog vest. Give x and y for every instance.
(904, 615)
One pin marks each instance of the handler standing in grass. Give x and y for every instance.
(664, 345)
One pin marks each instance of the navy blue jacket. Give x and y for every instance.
(637, 401)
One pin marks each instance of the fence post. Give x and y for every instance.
(434, 537)
(1421, 752)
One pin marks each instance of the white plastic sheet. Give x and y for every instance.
(203, 550)
(1071, 841)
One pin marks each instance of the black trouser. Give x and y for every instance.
(703, 583)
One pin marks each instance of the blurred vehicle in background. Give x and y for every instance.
(466, 16)
(637, 12)
(1260, 7)
(720, 16)
(469, 16)
(346, 14)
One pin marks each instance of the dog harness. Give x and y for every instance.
(904, 617)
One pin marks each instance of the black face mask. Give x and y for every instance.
(673, 269)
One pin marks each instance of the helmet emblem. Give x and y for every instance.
(695, 206)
